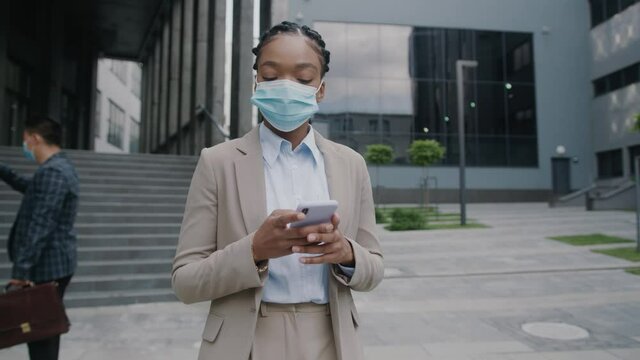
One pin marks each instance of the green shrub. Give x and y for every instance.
(407, 219)
(379, 154)
(426, 152)
(381, 217)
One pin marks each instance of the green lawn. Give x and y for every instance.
(431, 220)
(430, 213)
(628, 253)
(590, 239)
(634, 271)
(436, 226)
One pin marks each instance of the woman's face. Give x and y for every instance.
(291, 57)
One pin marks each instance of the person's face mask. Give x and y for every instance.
(285, 104)
(27, 152)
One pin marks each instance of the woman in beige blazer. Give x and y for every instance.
(228, 239)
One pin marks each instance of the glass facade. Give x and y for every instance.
(393, 84)
(603, 10)
(634, 151)
(116, 125)
(617, 80)
(610, 164)
(134, 136)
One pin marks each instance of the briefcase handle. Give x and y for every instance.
(10, 287)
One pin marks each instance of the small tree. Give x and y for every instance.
(636, 128)
(378, 154)
(424, 153)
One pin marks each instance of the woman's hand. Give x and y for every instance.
(275, 239)
(333, 246)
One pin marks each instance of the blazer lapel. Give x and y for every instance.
(250, 181)
(337, 172)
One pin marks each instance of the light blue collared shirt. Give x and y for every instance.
(291, 177)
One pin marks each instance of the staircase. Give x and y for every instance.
(617, 194)
(128, 223)
(610, 194)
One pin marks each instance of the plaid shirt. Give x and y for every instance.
(42, 242)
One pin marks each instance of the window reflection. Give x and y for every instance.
(393, 84)
(363, 51)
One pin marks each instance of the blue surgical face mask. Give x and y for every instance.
(27, 153)
(285, 104)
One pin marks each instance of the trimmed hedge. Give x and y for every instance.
(407, 219)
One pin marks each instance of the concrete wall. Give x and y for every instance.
(563, 73)
(616, 45)
(616, 42)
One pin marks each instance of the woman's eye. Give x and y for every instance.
(268, 78)
(302, 81)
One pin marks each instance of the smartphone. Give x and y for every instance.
(317, 212)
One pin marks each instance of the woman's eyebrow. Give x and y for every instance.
(303, 66)
(270, 63)
(298, 67)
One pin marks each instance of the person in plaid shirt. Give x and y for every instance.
(42, 242)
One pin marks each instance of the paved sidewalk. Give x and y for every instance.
(448, 294)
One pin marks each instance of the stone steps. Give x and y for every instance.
(128, 224)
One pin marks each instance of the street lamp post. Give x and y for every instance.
(460, 65)
(637, 173)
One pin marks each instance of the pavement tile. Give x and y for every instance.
(580, 355)
(471, 348)
(449, 295)
(414, 352)
(626, 354)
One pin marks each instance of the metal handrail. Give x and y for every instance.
(617, 190)
(577, 193)
(201, 109)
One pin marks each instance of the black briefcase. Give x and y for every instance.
(30, 314)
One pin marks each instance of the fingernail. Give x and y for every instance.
(312, 238)
(303, 260)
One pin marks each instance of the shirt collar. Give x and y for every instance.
(56, 155)
(272, 144)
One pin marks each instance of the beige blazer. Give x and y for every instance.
(226, 205)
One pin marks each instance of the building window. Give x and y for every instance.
(411, 86)
(522, 56)
(134, 136)
(373, 126)
(119, 69)
(116, 125)
(603, 10)
(610, 164)
(626, 3)
(617, 80)
(634, 151)
(98, 115)
(136, 78)
(386, 127)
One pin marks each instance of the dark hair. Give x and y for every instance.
(287, 27)
(49, 129)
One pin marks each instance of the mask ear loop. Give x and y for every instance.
(319, 86)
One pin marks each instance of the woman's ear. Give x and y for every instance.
(320, 93)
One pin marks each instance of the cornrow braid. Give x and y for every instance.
(287, 27)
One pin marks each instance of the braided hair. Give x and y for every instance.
(287, 27)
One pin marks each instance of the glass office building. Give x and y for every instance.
(393, 84)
